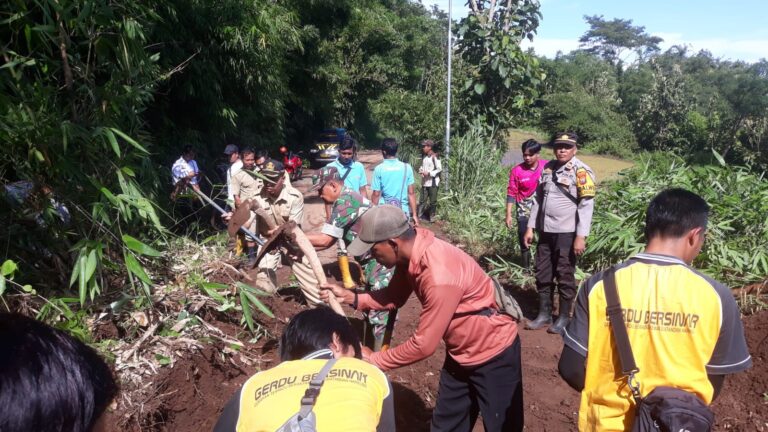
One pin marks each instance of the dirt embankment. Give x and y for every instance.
(190, 394)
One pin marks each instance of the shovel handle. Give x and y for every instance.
(222, 211)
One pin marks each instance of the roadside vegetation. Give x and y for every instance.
(736, 250)
(99, 98)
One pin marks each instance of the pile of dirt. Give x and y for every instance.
(743, 404)
(191, 394)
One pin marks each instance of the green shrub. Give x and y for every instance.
(474, 205)
(612, 148)
(592, 119)
(736, 250)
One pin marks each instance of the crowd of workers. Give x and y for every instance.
(684, 327)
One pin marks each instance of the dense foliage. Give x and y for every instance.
(736, 249)
(622, 94)
(98, 98)
(75, 81)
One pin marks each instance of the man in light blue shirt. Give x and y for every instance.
(351, 171)
(393, 181)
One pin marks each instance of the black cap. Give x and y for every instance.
(565, 139)
(272, 169)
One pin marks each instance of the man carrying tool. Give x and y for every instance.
(482, 369)
(185, 168)
(246, 187)
(280, 202)
(562, 215)
(185, 174)
(342, 228)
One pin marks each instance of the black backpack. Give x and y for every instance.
(666, 409)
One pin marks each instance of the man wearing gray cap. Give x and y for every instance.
(482, 371)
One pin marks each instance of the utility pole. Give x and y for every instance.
(448, 99)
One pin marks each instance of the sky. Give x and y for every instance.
(734, 29)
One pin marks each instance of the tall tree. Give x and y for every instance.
(505, 80)
(663, 110)
(613, 39)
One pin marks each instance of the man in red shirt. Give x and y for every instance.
(523, 181)
(482, 371)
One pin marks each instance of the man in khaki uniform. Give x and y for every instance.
(245, 187)
(562, 216)
(281, 202)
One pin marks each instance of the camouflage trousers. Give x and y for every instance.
(376, 277)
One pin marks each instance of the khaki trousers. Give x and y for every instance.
(266, 279)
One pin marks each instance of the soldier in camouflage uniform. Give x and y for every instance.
(342, 228)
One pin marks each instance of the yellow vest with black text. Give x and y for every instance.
(350, 399)
(675, 322)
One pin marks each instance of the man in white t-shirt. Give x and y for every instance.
(430, 170)
(235, 165)
(185, 169)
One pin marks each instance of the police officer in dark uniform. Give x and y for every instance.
(562, 216)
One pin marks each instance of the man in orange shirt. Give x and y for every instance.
(482, 372)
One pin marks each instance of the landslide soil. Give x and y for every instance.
(190, 394)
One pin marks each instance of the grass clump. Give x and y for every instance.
(473, 206)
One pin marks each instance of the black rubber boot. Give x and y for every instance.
(563, 318)
(251, 257)
(545, 313)
(526, 260)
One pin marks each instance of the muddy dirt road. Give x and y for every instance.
(190, 395)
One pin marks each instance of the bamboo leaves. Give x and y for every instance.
(247, 295)
(7, 270)
(736, 249)
(139, 247)
(136, 269)
(134, 266)
(85, 270)
(248, 299)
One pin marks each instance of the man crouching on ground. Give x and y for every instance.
(482, 370)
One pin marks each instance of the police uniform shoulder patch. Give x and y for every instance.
(585, 185)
